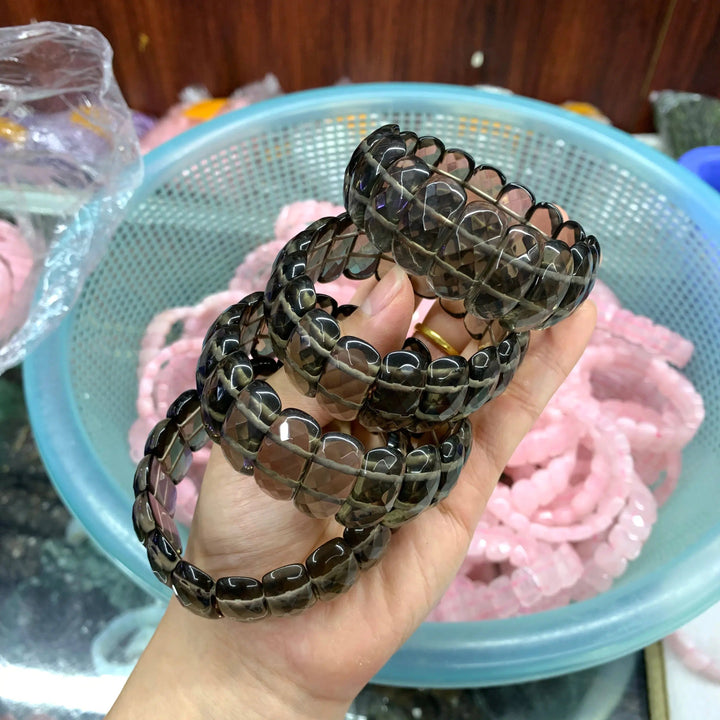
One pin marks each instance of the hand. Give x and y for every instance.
(312, 665)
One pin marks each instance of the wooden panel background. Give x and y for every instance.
(610, 53)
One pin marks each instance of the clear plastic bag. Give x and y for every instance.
(69, 162)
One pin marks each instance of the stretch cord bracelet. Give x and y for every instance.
(327, 572)
(482, 245)
(324, 474)
(406, 388)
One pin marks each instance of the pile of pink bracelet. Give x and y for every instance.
(579, 496)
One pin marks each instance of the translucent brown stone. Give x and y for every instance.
(368, 544)
(330, 476)
(419, 485)
(509, 355)
(185, 411)
(430, 149)
(570, 232)
(375, 490)
(483, 376)
(149, 477)
(332, 569)
(256, 408)
(288, 590)
(309, 347)
(337, 255)
(545, 296)
(149, 515)
(225, 340)
(194, 589)
(438, 202)
(580, 282)
(363, 259)
(446, 386)
(517, 199)
(162, 556)
(487, 180)
(319, 246)
(546, 217)
(293, 301)
(350, 371)
(285, 453)
(167, 445)
(453, 454)
(232, 315)
(457, 163)
(510, 276)
(221, 389)
(241, 598)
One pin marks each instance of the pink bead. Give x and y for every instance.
(526, 587)
(610, 559)
(525, 496)
(503, 598)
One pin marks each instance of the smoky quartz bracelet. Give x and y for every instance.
(324, 474)
(327, 572)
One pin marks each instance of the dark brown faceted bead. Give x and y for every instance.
(349, 373)
(363, 259)
(419, 485)
(429, 149)
(445, 389)
(301, 242)
(162, 556)
(487, 181)
(241, 598)
(149, 515)
(368, 544)
(435, 206)
(483, 376)
(370, 170)
(510, 276)
(332, 569)
(453, 454)
(417, 346)
(570, 232)
(546, 217)
(404, 177)
(254, 331)
(422, 287)
(309, 348)
(410, 139)
(465, 253)
(367, 143)
(221, 390)
(262, 366)
(293, 301)
(288, 590)
(224, 341)
(285, 453)
(545, 296)
(332, 472)
(342, 312)
(319, 246)
(375, 490)
(194, 589)
(233, 315)
(149, 477)
(166, 444)
(339, 250)
(457, 163)
(185, 411)
(516, 199)
(247, 423)
(397, 390)
(509, 356)
(580, 281)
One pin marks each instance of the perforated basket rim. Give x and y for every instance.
(623, 619)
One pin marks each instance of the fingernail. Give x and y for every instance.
(384, 292)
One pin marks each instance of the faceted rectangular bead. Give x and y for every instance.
(420, 483)
(483, 375)
(288, 590)
(285, 453)
(375, 490)
(162, 556)
(309, 347)
(185, 411)
(363, 259)
(349, 373)
(330, 476)
(149, 515)
(149, 477)
(194, 589)
(319, 247)
(167, 445)
(246, 424)
(241, 598)
(332, 569)
(368, 544)
(337, 255)
(445, 389)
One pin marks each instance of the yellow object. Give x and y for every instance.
(93, 118)
(205, 109)
(11, 131)
(435, 338)
(586, 110)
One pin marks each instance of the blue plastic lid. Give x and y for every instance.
(705, 163)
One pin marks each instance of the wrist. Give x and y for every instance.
(194, 669)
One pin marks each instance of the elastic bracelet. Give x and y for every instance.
(324, 474)
(327, 572)
(406, 388)
(482, 244)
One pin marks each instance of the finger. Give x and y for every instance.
(382, 319)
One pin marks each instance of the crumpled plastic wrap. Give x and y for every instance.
(69, 162)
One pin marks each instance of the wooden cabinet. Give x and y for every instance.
(608, 52)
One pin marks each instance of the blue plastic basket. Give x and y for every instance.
(212, 194)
